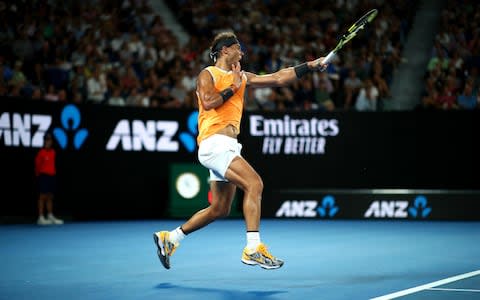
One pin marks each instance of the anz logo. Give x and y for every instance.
(420, 208)
(328, 207)
(399, 209)
(308, 208)
(23, 130)
(188, 139)
(153, 135)
(70, 119)
(27, 130)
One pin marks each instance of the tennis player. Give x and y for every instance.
(220, 92)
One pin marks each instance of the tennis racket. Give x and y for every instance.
(351, 33)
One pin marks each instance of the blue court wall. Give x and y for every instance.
(115, 162)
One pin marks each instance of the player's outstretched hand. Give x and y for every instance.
(317, 64)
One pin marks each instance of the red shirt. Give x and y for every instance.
(447, 101)
(45, 162)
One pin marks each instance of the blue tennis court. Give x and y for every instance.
(323, 260)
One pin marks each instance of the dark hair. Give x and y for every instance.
(223, 39)
(47, 136)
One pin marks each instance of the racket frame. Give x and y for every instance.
(351, 33)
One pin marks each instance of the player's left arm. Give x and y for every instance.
(284, 76)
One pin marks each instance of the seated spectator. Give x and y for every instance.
(178, 92)
(428, 103)
(323, 99)
(129, 80)
(154, 103)
(37, 94)
(18, 77)
(15, 91)
(134, 98)
(165, 99)
(352, 85)
(116, 99)
(96, 87)
(367, 97)
(145, 97)
(273, 63)
(447, 99)
(440, 59)
(189, 79)
(51, 94)
(467, 99)
(77, 98)
(62, 95)
(304, 94)
(284, 98)
(6, 73)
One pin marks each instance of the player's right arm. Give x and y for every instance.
(209, 97)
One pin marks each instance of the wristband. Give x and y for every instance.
(228, 92)
(301, 70)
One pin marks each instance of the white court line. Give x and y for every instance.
(454, 290)
(427, 286)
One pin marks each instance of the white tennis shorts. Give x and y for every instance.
(216, 153)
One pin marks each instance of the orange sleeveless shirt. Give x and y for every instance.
(229, 113)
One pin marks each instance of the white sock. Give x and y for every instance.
(177, 235)
(253, 240)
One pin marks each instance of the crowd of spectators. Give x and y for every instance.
(280, 33)
(121, 53)
(103, 52)
(452, 78)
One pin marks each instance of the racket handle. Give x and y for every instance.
(329, 57)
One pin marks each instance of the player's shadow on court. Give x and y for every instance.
(203, 293)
